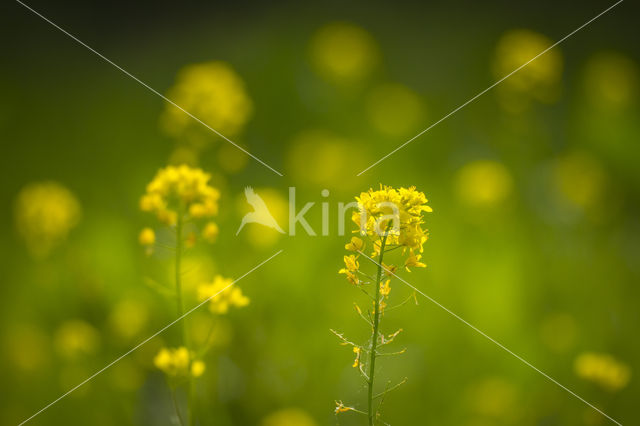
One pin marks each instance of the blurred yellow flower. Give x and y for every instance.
(611, 81)
(180, 191)
(539, 79)
(214, 93)
(288, 417)
(323, 159)
(45, 212)
(495, 398)
(147, 237)
(224, 295)
(602, 369)
(75, 338)
(128, 318)
(395, 110)
(343, 52)
(580, 179)
(178, 363)
(483, 183)
(210, 232)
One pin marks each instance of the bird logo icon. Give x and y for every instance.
(260, 213)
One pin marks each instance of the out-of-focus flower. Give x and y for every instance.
(539, 79)
(210, 232)
(343, 52)
(611, 81)
(26, 346)
(323, 159)
(180, 191)
(356, 350)
(178, 363)
(224, 295)
(483, 183)
(75, 338)
(602, 369)
(128, 318)
(580, 179)
(395, 110)
(278, 207)
(45, 212)
(494, 398)
(211, 91)
(147, 237)
(288, 417)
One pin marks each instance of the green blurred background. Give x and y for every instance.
(535, 187)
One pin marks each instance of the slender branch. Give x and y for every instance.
(374, 336)
(176, 406)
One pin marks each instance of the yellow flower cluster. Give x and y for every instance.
(394, 213)
(539, 80)
(602, 369)
(211, 91)
(398, 211)
(178, 362)
(180, 190)
(45, 212)
(225, 295)
(344, 52)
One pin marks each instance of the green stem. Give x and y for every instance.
(184, 339)
(176, 406)
(374, 336)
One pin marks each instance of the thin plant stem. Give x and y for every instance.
(374, 336)
(179, 301)
(177, 407)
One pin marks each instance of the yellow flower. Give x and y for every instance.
(395, 110)
(343, 52)
(178, 362)
(398, 210)
(413, 261)
(45, 212)
(211, 91)
(223, 295)
(603, 369)
(385, 288)
(288, 417)
(197, 368)
(75, 338)
(147, 237)
(176, 191)
(357, 351)
(356, 244)
(539, 80)
(389, 270)
(210, 232)
(483, 183)
(341, 408)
